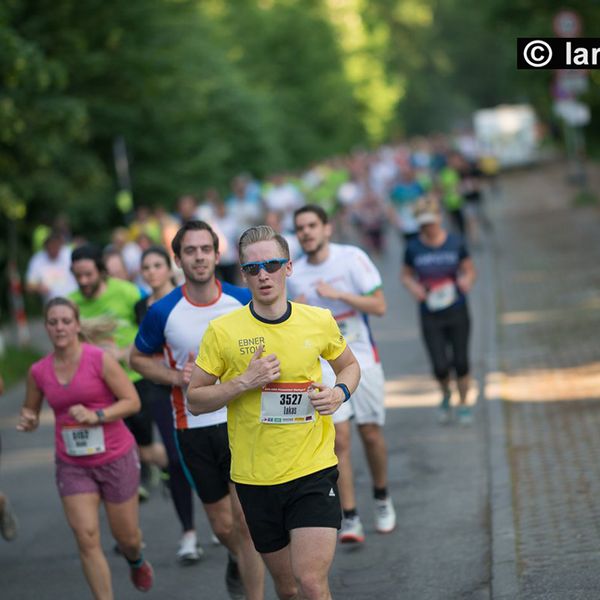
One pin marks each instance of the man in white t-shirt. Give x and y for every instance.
(343, 279)
(49, 270)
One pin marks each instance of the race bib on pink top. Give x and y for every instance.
(83, 441)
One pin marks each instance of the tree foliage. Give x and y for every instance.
(202, 89)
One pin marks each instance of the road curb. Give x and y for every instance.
(504, 579)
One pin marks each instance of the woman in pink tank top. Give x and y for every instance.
(96, 457)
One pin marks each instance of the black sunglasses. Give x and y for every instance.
(270, 266)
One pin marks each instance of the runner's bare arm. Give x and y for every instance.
(327, 400)
(371, 304)
(203, 396)
(466, 276)
(30, 412)
(156, 371)
(346, 369)
(410, 282)
(127, 399)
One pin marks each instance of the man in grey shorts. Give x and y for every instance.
(343, 279)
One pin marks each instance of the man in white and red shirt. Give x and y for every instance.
(176, 324)
(343, 279)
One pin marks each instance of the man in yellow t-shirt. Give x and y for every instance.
(267, 358)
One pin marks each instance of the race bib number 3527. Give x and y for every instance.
(286, 403)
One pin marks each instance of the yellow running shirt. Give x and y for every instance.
(274, 433)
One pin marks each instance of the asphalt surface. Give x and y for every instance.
(463, 531)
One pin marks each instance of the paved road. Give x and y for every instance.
(453, 487)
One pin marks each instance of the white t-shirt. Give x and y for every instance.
(55, 274)
(175, 325)
(349, 269)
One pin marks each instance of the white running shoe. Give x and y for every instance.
(189, 550)
(385, 515)
(351, 531)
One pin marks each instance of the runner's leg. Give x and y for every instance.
(458, 334)
(279, 564)
(252, 568)
(311, 552)
(123, 518)
(343, 437)
(435, 343)
(376, 452)
(181, 491)
(81, 511)
(220, 517)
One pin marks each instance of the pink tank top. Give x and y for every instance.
(87, 387)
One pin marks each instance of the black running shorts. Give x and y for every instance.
(141, 424)
(206, 460)
(272, 511)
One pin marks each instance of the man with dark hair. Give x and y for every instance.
(175, 324)
(193, 226)
(104, 297)
(344, 280)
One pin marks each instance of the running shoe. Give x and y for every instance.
(153, 477)
(464, 415)
(142, 577)
(233, 580)
(215, 540)
(189, 551)
(385, 516)
(351, 531)
(8, 522)
(445, 410)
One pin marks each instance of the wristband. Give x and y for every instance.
(344, 389)
(100, 415)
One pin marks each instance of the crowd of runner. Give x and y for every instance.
(250, 291)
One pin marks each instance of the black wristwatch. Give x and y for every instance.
(100, 415)
(344, 389)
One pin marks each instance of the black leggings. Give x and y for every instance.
(446, 330)
(158, 398)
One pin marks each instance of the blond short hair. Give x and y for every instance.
(262, 233)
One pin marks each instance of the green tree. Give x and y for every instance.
(290, 57)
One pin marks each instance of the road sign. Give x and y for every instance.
(573, 112)
(567, 24)
(569, 83)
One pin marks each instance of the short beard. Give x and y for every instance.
(316, 250)
(94, 290)
(197, 280)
